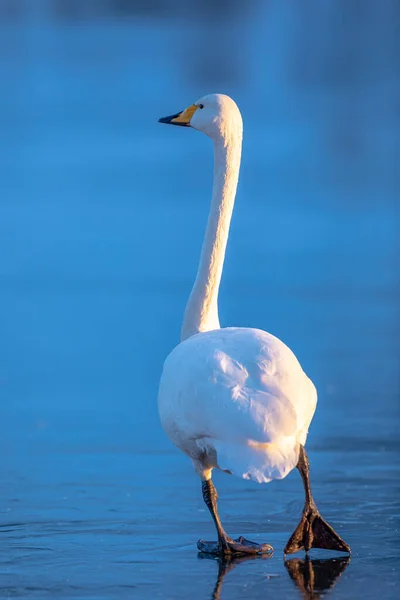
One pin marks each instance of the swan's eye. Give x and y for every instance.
(201, 105)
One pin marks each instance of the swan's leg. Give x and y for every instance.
(210, 497)
(312, 531)
(225, 544)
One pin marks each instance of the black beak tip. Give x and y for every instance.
(170, 120)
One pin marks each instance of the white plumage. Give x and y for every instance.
(238, 400)
(234, 398)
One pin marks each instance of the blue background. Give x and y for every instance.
(102, 213)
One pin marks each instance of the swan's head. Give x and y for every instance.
(216, 115)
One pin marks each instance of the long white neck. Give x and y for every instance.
(201, 312)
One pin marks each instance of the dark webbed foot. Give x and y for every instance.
(238, 546)
(312, 531)
(225, 545)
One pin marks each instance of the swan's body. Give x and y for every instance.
(232, 398)
(237, 399)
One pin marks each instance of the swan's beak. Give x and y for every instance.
(181, 118)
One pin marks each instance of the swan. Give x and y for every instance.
(235, 398)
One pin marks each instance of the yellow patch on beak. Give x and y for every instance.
(185, 116)
(182, 118)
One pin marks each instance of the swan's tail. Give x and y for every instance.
(256, 461)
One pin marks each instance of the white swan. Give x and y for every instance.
(235, 398)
